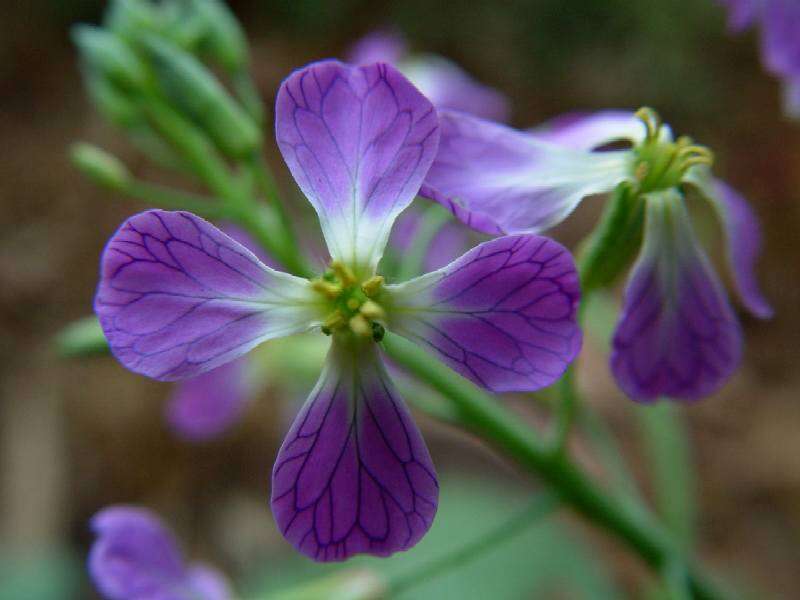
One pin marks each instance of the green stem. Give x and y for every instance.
(541, 506)
(480, 413)
(567, 409)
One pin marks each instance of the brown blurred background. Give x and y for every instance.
(76, 435)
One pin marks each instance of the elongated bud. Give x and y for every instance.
(192, 89)
(83, 337)
(110, 56)
(111, 101)
(128, 18)
(348, 585)
(224, 41)
(100, 166)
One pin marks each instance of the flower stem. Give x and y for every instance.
(479, 413)
(541, 506)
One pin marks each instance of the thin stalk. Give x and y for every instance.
(541, 507)
(566, 410)
(481, 414)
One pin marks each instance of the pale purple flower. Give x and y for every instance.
(135, 557)
(177, 297)
(444, 83)
(677, 335)
(780, 40)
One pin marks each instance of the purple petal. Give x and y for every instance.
(205, 406)
(502, 315)
(353, 474)
(177, 297)
(499, 180)
(743, 236)
(677, 335)
(781, 37)
(741, 13)
(448, 86)
(208, 584)
(359, 141)
(134, 555)
(378, 46)
(582, 131)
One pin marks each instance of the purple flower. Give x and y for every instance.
(677, 335)
(442, 81)
(204, 407)
(780, 40)
(135, 557)
(177, 297)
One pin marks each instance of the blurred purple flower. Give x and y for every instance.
(677, 335)
(135, 557)
(448, 242)
(177, 297)
(442, 81)
(780, 40)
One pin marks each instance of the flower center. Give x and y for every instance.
(350, 303)
(660, 163)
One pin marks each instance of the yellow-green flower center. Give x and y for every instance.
(350, 304)
(660, 163)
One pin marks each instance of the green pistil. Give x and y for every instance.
(660, 162)
(351, 304)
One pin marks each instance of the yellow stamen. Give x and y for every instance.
(333, 320)
(372, 310)
(372, 285)
(360, 325)
(651, 120)
(343, 272)
(331, 290)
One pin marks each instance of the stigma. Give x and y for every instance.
(661, 163)
(352, 305)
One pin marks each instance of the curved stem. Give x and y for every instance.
(566, 411)
(541, 506)
(481, 414)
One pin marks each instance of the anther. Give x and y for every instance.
(343, 272)
(330, 290)
(371, 310)
(333, 321)
(372, 285)
(360, 325)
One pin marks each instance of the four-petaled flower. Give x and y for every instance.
(677, 335)
(178, 297)
(135, 556)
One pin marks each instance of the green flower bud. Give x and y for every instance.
(112, 102)
(83, 337)
(347, 585)
(109, 56)
(127, 18)
(100, 166)
(193, 90)
(224, 40)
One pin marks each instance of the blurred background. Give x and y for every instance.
(78, 434)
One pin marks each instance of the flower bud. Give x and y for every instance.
(127, 18)
(194, 91)
(100, 166)
(109, 56)
(112, 102)
(224, 41)
(347, 585)
(83, 337)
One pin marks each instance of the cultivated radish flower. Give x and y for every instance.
(178, 297)
(677, 335)
(135, 556)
